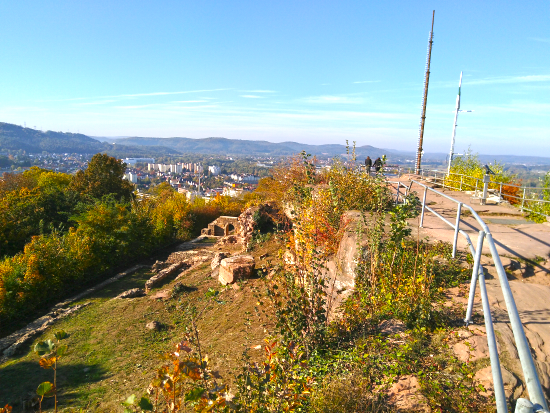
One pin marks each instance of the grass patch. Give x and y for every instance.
(111, 353)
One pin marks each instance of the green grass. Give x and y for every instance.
(111, 353)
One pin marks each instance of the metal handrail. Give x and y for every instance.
(525, 200)
(481, 179)
(532, 380)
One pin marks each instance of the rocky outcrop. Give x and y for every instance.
(158, 266)
(405, 395)
(156, 279)
(218, 257)
(236, 268)
(133, 293)
(258, 218)
(229, 240)
(340, 269)
(512, 386)
(247, 221)
(154, 326)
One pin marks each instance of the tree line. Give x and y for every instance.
(59, 230)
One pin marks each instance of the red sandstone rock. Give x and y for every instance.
(236, 268)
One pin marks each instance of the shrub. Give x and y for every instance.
(470, 166)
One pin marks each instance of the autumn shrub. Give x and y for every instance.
(398, 277)
(539, 211)
(34, 202)
(103, 234)
(317, 201)
(470, 166)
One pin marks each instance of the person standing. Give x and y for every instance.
(377, 165)
(368, 164)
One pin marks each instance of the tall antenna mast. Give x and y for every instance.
(451, 153)
(424, 101)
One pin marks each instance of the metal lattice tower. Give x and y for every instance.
(424, 100)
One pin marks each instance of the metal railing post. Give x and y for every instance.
(486, 179)
(500, 198)
(397, 193)
(461, 180)
(475, 275)
(423, 207)
(457, 225)
(500, 397)
(532, 381)
(523, 199)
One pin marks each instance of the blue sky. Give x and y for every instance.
(305, 71)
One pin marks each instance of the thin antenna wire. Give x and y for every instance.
(424, 101)
(451, 153)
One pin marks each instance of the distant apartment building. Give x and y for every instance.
(133, 178)
(133, 161)
(251, 179)
(214, 170)
(176, 168)
(245, 178)
(151, 167)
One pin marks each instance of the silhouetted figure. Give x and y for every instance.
(377, 164)
(368, 164)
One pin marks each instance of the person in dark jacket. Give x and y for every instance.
(377, 165)
(368, 164)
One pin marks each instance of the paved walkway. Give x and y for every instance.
(524, 243)
(514, 235)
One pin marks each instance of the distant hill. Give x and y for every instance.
(248, 147)
(14, 137)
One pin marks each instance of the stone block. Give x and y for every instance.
(236, 268)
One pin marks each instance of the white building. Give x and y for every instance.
(133, 161)
(151, 167)
(133, 178)
(214, 170)
(176, 168)
(250, 179)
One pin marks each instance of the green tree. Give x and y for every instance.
(103, 176)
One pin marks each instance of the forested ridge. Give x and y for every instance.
(18, 138)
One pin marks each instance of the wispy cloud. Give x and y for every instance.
(539, 39)
(509, 79)
(99, 102)
(367, 81)
(333, 99)
(136, 95)
(252, 96)
(260, 91)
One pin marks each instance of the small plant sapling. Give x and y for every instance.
(50, 351)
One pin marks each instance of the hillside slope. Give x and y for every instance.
(14, 137)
